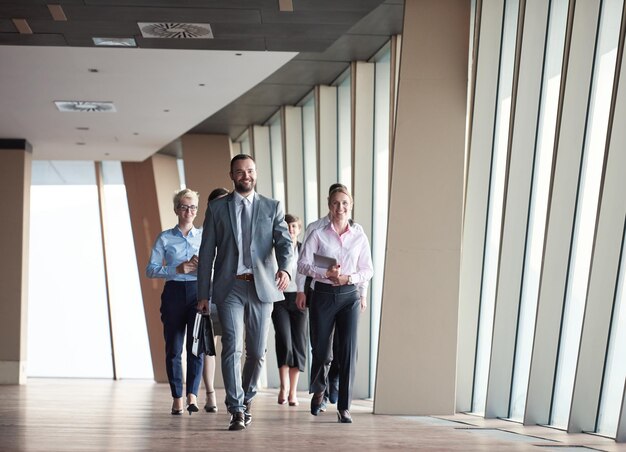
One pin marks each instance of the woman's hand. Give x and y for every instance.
(189, 266)
(301, 300)
(363, 304)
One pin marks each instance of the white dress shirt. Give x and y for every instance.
(351, 250)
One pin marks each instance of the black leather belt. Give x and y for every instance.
(245, 277)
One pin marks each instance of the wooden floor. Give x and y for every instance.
(102, 415)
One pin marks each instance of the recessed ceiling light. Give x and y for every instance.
(57, 13)
(115, 42)
(135, 133)
(22, 26)
(175, 30)
(166, 110)
(80, 105)
(201, 84)
(238, 54)
(80, 143)
(93, 69)
(82, 128)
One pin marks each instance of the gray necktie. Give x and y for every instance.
(246, 233)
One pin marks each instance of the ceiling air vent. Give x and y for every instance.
(79, 105)
(175, 30)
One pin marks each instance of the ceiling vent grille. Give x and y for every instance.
(88, 106)
(175, 30)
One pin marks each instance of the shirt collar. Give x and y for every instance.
(239, 197)
(192, 232)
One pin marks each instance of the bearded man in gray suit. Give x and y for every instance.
(246, 248)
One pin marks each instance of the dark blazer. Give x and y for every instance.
(271, 248)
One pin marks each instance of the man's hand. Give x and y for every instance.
(301, 300)
(282, 279)
(203, 306)
(363, 304)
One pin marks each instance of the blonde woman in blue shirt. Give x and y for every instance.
(175, 257)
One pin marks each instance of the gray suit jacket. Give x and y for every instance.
(271, 249)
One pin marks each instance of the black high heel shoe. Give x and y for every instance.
(344, 417)
(192, 408)
(176, 412)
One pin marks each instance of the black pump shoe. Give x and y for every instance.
(344, 417)
(192, 408)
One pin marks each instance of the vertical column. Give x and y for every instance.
(150, 187)
(15, 178)
(207, 164)
(420, 296)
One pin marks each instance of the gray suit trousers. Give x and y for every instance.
(242, 309)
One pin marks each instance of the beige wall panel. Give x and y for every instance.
(15, 180)
(207, 163)
(167, 185)
(145, 220)
(417, 352)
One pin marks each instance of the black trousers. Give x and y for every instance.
(338, 308)
(178, 313)
(290, 326)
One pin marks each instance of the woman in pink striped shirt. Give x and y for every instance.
(339, 295)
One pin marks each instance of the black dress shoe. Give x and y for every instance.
(344, 417)
(237, 421)
(316, 403)
(192, 408)
(247, 414)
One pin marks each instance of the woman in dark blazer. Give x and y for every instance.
(290, 327)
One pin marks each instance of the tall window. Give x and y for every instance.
(310, 160)
(344, 131)
(276, 152)
(598, 115)
(546, 129)
(496, 195)
(68, 328)
(380, 209)
(69, 334)
(615, 367)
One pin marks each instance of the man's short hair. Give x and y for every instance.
(239, 157)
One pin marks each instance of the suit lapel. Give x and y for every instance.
(232, 211)
(255, 211)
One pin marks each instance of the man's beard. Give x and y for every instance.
(244, 187)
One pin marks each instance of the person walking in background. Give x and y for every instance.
(247, 249)
(208, 371)
(290, 327)
(175, 257)
(338, 297)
